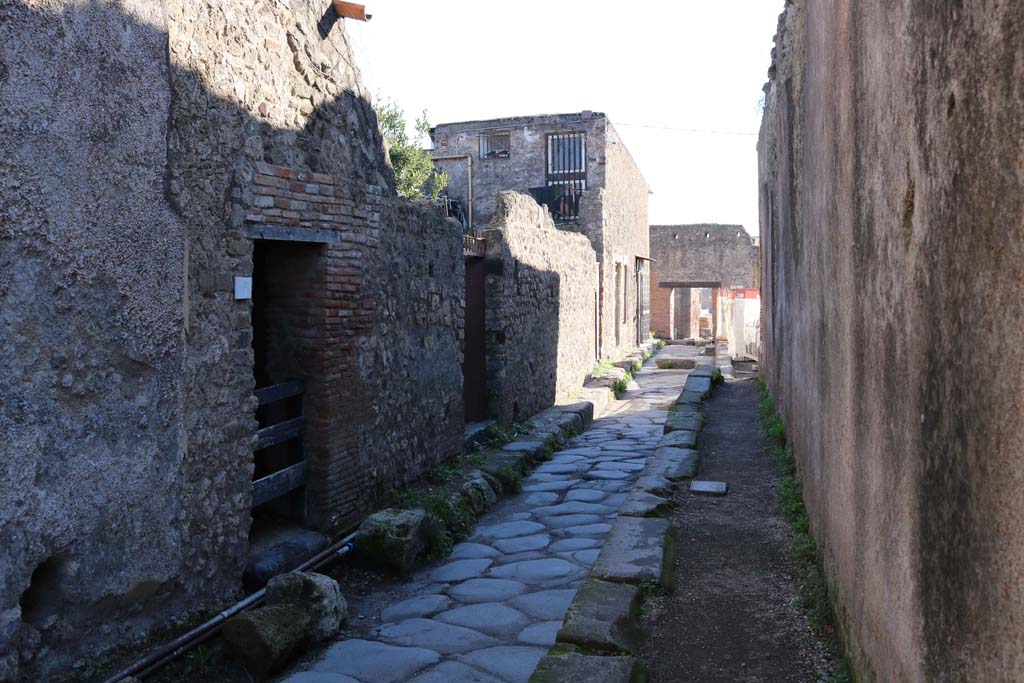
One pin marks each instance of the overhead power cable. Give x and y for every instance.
(686, 130)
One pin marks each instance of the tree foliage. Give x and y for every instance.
(415, 175)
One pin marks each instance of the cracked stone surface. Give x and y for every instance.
(491, 610)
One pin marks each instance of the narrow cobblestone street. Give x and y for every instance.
(491, 610)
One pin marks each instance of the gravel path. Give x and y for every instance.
(491, 610)
(733, 614)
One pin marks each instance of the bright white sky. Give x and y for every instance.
(695, 64)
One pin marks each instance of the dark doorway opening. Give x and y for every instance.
(286, 285)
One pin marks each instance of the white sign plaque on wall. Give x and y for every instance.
(243, 288)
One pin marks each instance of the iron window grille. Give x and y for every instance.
(495, 145)
(566, 172)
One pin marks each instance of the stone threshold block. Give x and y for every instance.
(603, 617)
(572, 667)
(637, 549)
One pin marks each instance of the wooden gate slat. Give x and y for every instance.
(278, 484)
(282, 431)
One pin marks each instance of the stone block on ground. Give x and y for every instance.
(668, 363)
(585, 410)
(709, 488)
(266, 638)
(606, 378)
(637, 549)
(703, 370)
(280, 551)
(317, 595)
(479, 492)
(675, 464)
(573, 667)
(603, 617)
(644, 504)
(318, 677)
(684, 438)
(394, 539)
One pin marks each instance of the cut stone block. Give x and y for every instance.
(690, 398)
(315, 594)
(603, 617)
(698, 384)
(685, 417)
(674, 464)
(653, 483)
(393, 538)
(573, 667)
(708, 488)
(265, 639)
(637, 549)
(685, 438)
(643, 504)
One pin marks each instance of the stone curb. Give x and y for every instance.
(603, 621)
(603, 617)
(501, 468)
(574, 667)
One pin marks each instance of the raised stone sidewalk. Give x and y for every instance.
(492, 610)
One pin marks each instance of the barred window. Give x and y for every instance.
(495, 145)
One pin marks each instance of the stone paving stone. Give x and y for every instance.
(374, 662)
(508, 530)
(572, 508)
(520, 557)
(573, 667)
(493, 618)
(572, 544)
(422, 606)
(709, 488)
(513, 663)
(561, 468)
(540, 498)
(538, 571)
(454, 672)
(586, 557)
(435, 635)
(636, 550)
(543, 633)
(460, 570)
(529, 487)
(563, 521)
(471, 551)
(606, 474)
(589, 529)
(547, 605)
(521, 544)
(317, 677)
(619, 465)
(586, 495)
(486, 590)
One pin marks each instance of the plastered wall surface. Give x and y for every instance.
(892, 219)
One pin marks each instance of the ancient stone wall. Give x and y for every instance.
(525, 165)
(892, 220)
(541, 306)
(130, 188)
(625, 237)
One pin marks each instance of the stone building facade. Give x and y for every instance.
(153, 153)
(688, 258)
(541, 309)
(580, 151)
(892, 224)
